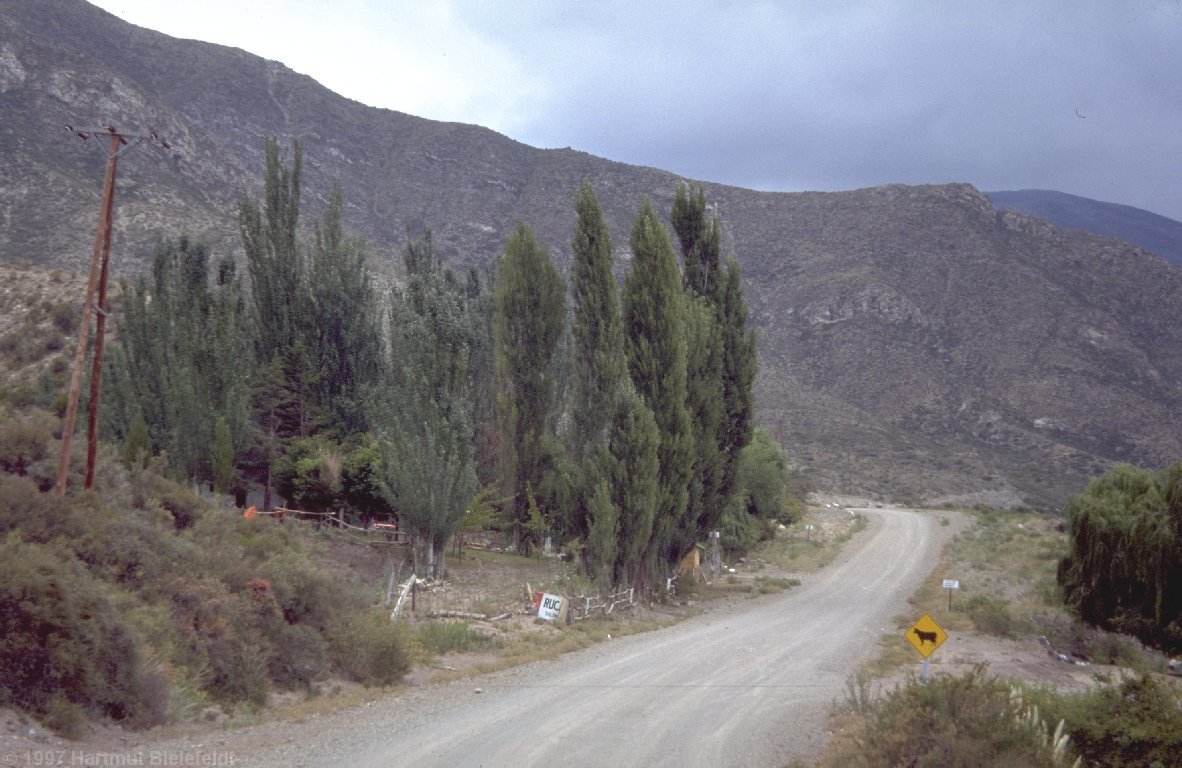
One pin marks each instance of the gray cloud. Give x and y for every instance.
(1082, 96)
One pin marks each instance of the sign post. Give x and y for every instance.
(926, 636)
(951, 584)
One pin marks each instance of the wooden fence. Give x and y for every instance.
(333, 525)
(586, 606)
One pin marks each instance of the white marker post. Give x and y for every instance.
(951, 584)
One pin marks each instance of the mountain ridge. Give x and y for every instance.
(1154, 232)
(916, 342)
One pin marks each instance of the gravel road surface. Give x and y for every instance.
(750, 684)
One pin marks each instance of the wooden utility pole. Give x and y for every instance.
(100, 257)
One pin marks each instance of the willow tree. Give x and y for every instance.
(1125, 557)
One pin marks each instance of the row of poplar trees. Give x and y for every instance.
(609, 420)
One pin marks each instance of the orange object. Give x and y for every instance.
(250, 512)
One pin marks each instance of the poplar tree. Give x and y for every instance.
(654, 326)
(598, 365)
(598, 372)
(528, 319)
(700, 240)
(423, 416)
(222, 457)
(343, 322)
(269, 238)
(721, 367)
(283, 387)
(739, 365)
(705, 499)
(634, 481)
(182, 342)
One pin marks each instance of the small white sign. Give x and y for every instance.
(550, 608)
(951, 584)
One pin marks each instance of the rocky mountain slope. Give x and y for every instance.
(915, 342)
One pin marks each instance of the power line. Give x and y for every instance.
(116, 145)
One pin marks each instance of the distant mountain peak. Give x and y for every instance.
(1153, 232)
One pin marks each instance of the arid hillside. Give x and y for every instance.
(915, 342)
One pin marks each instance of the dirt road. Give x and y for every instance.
(748, 685)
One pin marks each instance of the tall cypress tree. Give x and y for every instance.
(654, 323)
(528, 319)
(285, 407)
(232, 344)
(634, 481)
(707, 409)
(700, 243)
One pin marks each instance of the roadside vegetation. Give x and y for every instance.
(142, 603)
(611, 423)
(1020, 575)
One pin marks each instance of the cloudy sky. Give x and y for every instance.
(1080, 96)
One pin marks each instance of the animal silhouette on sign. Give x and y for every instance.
(925, 637)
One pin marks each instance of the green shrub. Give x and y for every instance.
(740, 530)
(38, 516)
(224, 634)
(301, 656)
(971, 720)
(1135, 722)
(438, 637)
(370, 649)
(184, 506)
(260, 537)
(63, 647)
(25, 439)
(64, 316)
(132, 547)
(306, 591)
(991, 616)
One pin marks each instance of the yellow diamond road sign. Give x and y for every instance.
(926, 635)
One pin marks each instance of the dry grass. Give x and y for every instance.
(1005, 563)
(797, 550)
